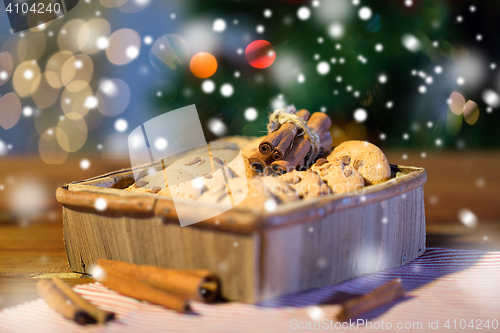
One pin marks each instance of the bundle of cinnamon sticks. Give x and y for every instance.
(286, 148)
(168, 287)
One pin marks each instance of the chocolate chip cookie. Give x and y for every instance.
(364, 157)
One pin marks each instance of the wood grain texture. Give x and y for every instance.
(148, 241)
(342, 245)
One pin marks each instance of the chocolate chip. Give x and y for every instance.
(218, 160)
(345, 159)
(321, 161)
(141, 183)
(155, 189)
(196, 160)
(358, 164)
(348, 172)
(208, 176)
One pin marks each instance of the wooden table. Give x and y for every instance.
(31, 245)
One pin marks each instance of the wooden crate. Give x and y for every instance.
(258, 256)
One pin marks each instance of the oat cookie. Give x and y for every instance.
(364, 157)
(308, 184)
(251, 193)
(238, 163)
(340, 178)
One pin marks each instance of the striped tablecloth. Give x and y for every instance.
(451, 290)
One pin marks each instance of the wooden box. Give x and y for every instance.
(258, 256)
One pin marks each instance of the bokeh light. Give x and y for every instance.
(360, 115)
(456, 103)
(471, 112)
(303, 13)
(217, 127)
(6, 67)
(226, 90)
(491, 98)
(68, 36)
(43, 94)
(113, 97)
(77, 101)
(84, 164)
(260, 54)
(169, 52)
(251, 114)
(336, 30)
(203, 65)
(24, 77)
(468, 218)
(77, 72)
(219, 25)
(49, 148)
(27, 111)
(10, 110)
(208, 86)
(121, 125)
(123, 46)
(54, 68)
(93, 36)
(365, 13)
(75, 129)
(411, 43)
(323, 68)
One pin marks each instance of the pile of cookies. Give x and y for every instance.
(191, 176)
(346, 170)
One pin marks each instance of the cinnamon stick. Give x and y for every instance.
(58, 301)
(285, 132)
(325, 142)
(99, 315)
(259, 162)
(200, 285)
(385, 294)
(296, 154)
(131, 287)
(320, 122)
(288, 133)
(301, 146)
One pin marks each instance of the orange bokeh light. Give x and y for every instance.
(203, 65)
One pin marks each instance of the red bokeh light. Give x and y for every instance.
(260, 54)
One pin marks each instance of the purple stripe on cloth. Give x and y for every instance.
(442, 285)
